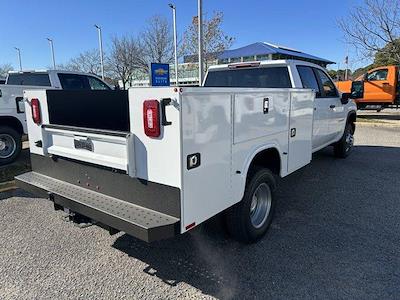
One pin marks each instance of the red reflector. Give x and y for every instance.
(190, 226)
(151, 118)
(36, 117)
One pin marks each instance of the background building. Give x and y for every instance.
(188, 70)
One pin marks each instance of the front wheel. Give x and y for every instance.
(249, 220)
(10, 145)
(343, 147)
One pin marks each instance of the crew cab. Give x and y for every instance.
(12, 116)
(160, 161)
(378, 88)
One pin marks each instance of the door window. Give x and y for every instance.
(308, 79)
(327, 86)
(357, 89)
(73, 82)
(378, 75)
(96, 84)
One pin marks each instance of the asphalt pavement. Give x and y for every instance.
(336, 235)
(21, 165)
(388, 116)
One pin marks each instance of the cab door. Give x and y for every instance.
(321, 107)
(380, 85)
(332, 104)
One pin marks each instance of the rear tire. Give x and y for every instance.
(10, 145)
(249, 220)
(343, 148)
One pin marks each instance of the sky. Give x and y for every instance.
(306, 25)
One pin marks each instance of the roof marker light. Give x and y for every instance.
(244, 65)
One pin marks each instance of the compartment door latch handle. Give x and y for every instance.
(165, 102)
(266, 105)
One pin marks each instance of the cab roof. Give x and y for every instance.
(48, 71)
(264, 63)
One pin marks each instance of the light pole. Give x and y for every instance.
(200, 21)
(346, 62)
(101, 50)
(173, 7)
(19, 57)
(52, 52)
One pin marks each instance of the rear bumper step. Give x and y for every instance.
(142, 223)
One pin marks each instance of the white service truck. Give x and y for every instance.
(160, 161)
(12, 108)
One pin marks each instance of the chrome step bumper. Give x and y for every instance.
(142, 223)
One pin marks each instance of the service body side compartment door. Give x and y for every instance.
(301, 129)
(206, 153)
(157, 159)
(260, 122)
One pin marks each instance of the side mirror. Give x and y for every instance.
(365, 77)
(345, 98)
(357, 90)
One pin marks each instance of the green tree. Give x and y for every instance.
(361, 71)
(340, 74)
(388, 55)
(332, 73)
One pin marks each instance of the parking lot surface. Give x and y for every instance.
(336, 235)
(389, 116)
(20, 166)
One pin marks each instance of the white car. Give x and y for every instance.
(12, 116)
(160, 161)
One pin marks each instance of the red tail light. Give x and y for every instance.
(151, 118)
(35, 105)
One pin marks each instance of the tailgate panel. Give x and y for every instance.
(101, 148)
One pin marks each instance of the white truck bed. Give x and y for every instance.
(223, 129)
(228, 127)
(186, 154)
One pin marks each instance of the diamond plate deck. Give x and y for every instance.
(143, 223)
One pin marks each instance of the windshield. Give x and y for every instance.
(271, 77)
